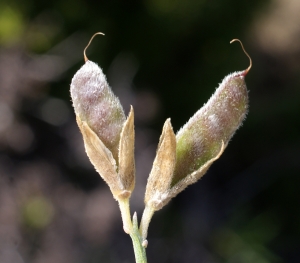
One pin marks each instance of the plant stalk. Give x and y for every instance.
(146, 218)
(131, 228)
(125, 214)
(139, 249)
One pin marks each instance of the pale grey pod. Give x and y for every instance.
(95, 103)
(200, 139)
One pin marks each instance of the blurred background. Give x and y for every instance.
(165, 58)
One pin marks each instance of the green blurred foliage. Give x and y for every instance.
(38, 212)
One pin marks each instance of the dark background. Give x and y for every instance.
(165, 58)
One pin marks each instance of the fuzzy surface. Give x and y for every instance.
(200, 139)
(95, 103)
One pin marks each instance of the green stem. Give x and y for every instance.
(125, 214)
(146, 218)
(139, 249)
(132, 229)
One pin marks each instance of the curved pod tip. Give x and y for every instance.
(250, 60)
(84, 55)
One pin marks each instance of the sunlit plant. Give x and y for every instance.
(181, 158)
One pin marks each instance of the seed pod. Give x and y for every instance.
(108, 136)
(201, 138)
(200, 141)
(184, 159)
(95, 103)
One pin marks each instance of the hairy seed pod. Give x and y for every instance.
(108, 136)
(183, 159)
(200, 139)
(95, 103)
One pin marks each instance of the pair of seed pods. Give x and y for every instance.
(181, 159)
